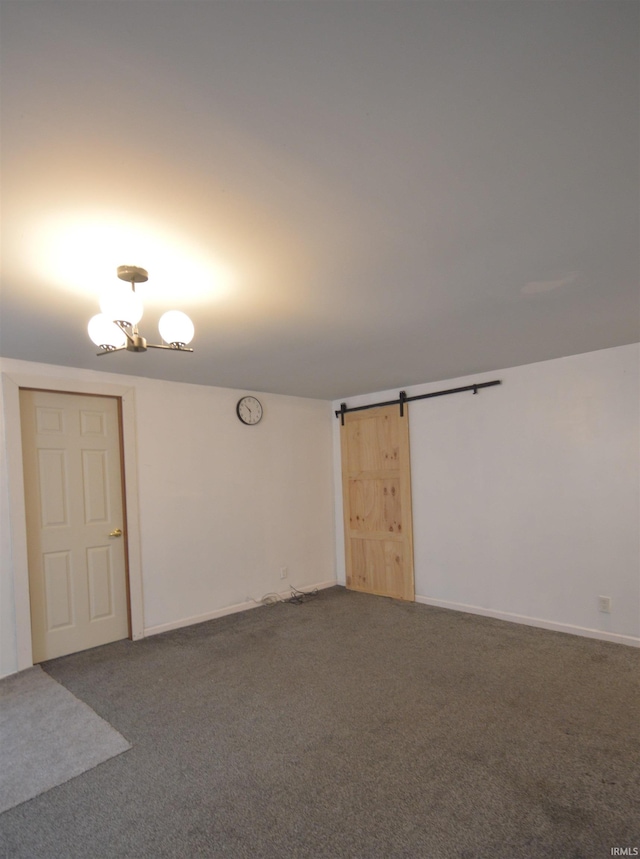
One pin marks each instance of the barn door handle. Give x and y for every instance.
(116, 533)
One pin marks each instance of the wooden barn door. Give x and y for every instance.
(376, 483)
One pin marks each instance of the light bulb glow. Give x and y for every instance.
(101, 240)
(123, 304)
(176, 327)
(104, 332)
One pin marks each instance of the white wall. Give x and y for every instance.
(222, 507)
(526, 496)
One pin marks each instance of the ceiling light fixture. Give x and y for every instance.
(116, 327)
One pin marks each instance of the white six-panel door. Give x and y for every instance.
(74, 509)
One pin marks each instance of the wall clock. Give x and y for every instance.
(249, 410)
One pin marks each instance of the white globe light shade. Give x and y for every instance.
(176, 327)
(123, 304)
(104, 332)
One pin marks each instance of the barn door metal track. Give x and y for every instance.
(403, 398)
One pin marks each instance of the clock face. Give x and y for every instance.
(249, 410)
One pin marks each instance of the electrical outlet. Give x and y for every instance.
(284, 572)
(604, 604)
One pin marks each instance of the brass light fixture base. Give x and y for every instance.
(132, 274)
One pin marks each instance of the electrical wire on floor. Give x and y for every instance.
(296, 597)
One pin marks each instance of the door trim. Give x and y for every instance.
(11, 384)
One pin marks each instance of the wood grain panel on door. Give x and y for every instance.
(74, 500)
(376, 481)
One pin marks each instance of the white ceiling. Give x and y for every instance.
(344, 196)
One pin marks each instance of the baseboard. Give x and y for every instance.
(231, 609)
(615, 637)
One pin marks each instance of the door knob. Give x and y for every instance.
(116, 533)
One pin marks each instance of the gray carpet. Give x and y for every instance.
(350, 726)
(47, 736)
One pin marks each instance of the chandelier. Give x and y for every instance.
(116, 327)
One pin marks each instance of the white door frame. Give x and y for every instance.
(11, 384)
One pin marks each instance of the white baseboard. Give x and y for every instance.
(617, 638)
(230, 609)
